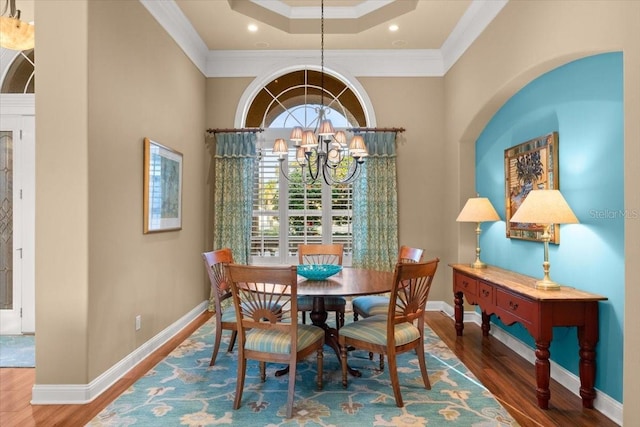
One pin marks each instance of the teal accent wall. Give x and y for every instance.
(583, 101)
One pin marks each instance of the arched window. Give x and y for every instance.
(302, 88)
(290, 211)
(20, 77)
(306, 115)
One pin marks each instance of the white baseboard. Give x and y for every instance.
(604, 403)
(78, 394)
(55, 394)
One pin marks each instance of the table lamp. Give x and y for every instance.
(545, 207)
(478, 209)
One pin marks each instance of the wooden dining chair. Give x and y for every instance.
(371, 305)
(221, 290)
(322, 254)
(395, 332)
(267, 336)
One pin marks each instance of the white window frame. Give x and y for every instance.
(265, 143)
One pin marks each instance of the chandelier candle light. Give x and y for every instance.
(324, 151)
(478, 209)
(545, 207)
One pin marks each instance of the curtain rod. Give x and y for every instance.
(376, 129)
(360, 129)
(227, 130)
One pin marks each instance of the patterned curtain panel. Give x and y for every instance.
(235, 163)
(375, 205)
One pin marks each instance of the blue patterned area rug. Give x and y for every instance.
(17, 351)
(183, 390)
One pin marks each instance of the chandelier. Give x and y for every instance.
(323, 151)
(14, 33)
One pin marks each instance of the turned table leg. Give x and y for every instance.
(458, 301)
(588, 338)
(486, 324)
(543, 371)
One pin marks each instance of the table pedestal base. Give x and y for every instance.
(319, 318)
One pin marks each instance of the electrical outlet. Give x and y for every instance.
(138, 322)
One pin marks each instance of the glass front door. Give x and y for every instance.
(6, 220)
(17, 224)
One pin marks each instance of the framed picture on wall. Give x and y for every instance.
(530, 165)
(162, 188)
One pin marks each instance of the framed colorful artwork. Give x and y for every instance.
(162, 188)
(527, 166)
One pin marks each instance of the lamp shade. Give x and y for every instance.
(296, 134)
(308, 140)
(326, 128)
(478, 209)
(340, 137)
(280, 146)
(300, 156)
(544, 207)
(357, 146)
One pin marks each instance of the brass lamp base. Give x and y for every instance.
(547, 285)
(479, 264)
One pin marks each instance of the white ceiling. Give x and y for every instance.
(349, 24)
(432, 34)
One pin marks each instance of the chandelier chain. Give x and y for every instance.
(322, 53)
(326, 153)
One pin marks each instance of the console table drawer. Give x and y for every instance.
(466, 284)
(512, 304)
(485, 292)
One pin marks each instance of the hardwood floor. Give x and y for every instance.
(509, 377)
(16, 385)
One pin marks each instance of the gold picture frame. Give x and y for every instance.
(527, 166)
(162, 188)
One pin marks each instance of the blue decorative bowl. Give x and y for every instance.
(318, 271)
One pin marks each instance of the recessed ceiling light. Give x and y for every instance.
(399, 43)
(393, 28)
(253, 28)
(262, 45)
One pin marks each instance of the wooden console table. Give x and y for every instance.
(513, 298)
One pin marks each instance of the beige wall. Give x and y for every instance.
(525, 40)
(98, 97)
(412, 103)
(416, 105)
(62, 195)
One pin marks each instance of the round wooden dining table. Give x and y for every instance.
(349, 282)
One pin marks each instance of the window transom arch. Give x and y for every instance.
(19, 75)
(304, 87)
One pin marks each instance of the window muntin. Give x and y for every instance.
(287, 212)
(300, 88)
(308, 212)
(304, 210)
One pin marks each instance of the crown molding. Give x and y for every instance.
(330, 12)
(176, 24)
(360, 63)
(476, 18)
